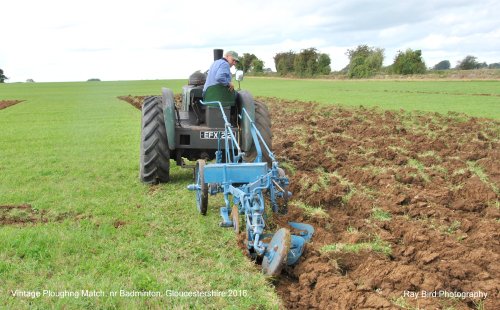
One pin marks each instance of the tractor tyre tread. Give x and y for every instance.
(263, 124)
(155, 155)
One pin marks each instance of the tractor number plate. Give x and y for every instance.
(213, 134)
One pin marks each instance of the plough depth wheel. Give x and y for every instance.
(202, 190)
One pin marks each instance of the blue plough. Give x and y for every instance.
(247, 182)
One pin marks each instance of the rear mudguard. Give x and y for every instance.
(246, 101)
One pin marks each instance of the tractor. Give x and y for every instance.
(192, 131)
(229, 136)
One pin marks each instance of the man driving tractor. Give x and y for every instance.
(219, 75)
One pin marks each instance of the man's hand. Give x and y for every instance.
(231, 86)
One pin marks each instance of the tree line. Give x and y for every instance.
(309, 62)
(364, 62)
(367, 61)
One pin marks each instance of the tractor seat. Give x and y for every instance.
(219, 92)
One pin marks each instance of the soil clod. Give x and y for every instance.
(7, 103)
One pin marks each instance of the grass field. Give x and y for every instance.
(475, 98)
(71, 151)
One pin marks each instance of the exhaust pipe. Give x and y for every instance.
(218, 53)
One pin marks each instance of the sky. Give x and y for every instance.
(63, 40)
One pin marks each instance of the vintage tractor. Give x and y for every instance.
(235, 131)
(192, 130)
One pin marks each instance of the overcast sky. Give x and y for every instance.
(74, 40)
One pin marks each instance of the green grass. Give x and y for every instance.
(381, 215)
(413, 163)
(477, 170)
(311, 211)
(452, 228)
(71, 150)
(475, 98)
(376, 245)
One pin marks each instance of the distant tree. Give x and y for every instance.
(30, 81)
(495, 65)
(483, 65)
(309, 62)
(257, 66)
(364, 61)
(468, 63)
(284, 62)
(245, 62)
(93, 80)
(324, 64)
(306, 62)
(2, 77)
(250, 63)
(442, 65)
(409, 62)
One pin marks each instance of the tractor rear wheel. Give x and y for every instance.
(263, 124)
(155, 155)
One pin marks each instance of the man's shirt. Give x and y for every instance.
(219, 73)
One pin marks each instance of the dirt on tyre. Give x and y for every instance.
(155, 155)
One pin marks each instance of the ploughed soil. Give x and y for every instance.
(402, 204)
(7, 103)
(26, 214)
(21, 215)
(137, 101)
(405, 207)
